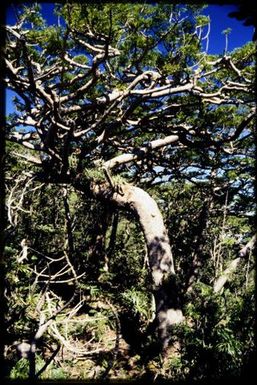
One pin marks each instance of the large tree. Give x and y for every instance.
(115, 99)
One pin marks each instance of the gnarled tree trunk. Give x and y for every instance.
(161, 263)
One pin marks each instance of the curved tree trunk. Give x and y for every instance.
(161, 263)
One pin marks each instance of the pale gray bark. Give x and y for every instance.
(151, 221)
(50, 109)
(220, 282)
(126, 158)
(160, 257)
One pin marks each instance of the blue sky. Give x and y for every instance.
(220, 21)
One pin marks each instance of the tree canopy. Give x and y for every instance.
(130, 170)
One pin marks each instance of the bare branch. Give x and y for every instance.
(220, 282)
(141, 151)
(29, 158)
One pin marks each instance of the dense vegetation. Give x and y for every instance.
(108, 99)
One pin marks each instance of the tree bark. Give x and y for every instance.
(220, 282)
(161, 263)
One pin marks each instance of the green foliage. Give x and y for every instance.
(95, 174)
(32, 15)
(138, 302)
(202, 20)
(220, 334)
(227, 31)
(20, 370)
(203, 186)
(214, 344)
